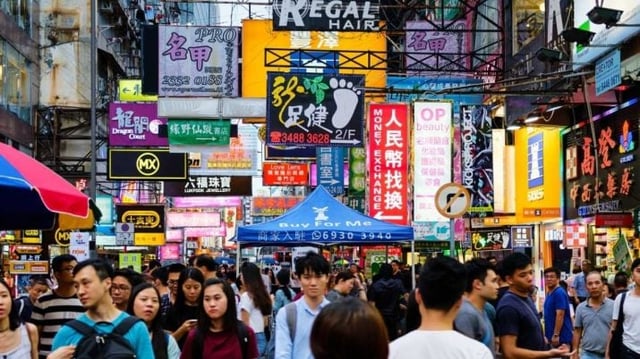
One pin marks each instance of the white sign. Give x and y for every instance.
(79, 245)
(198, 61)
(452, 200)
(432, 141)
(334, 15)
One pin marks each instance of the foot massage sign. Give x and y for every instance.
(315, 109)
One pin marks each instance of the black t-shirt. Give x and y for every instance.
(517, 316)
(175, 317)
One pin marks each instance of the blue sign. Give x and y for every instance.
(330, 173)
(321, 62)
(427, 88)
(535, 166)
(608, 72)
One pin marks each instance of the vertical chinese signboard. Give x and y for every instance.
(198, 61)
(388, 153)
(477, 158)
(330, 173)
(599, 177)
(432, 140)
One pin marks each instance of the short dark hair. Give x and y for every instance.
(134, 278)
(621, 279)
(38, 279)
(635, 263)
(176, 268)
(58, 261)
(343, 275)
(312, 262)
(206, 261)
(161, 274)
(442, 282)
(513, 262)
(102, 268)
(385, 271)
(476, 268)
(554, 270)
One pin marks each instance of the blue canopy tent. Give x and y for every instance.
(322, 220)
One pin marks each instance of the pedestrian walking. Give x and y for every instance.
(18, 340)
(441, 285)
(557, 310)
(593, 320)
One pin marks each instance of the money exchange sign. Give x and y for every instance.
(307, 109)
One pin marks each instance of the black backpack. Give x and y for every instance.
(95, 345)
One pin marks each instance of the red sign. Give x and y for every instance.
(624, 220)
(285, 174)
(272, 206)
(388, 154)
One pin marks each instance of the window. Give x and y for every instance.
(528, 21)
(20, 11)
(16, 84)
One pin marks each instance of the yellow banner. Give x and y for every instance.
(131, 91)
(538, 193)
(148, 239)
(359, 51)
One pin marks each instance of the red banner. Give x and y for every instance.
(285, 174)
(388, 158)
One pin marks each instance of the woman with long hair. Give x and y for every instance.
(144, 303)
(349, 329)
(255, 303)
(283, 294)
(218, 333)
(17, 340)
(183, 314)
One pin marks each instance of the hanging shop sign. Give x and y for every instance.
(199, 132)
(272, 206)
(522, 236)
(330, 169)
(285, 174)
(146, 164)
(28, 259)
(477, 160)
(575, 235)
(388, 154)
(184, 217)
(209, 186)
(198, 61)
(313, 175)
(135, 125)
(340, 15)
(148, 222)
(240, 159)
(493, 240)
(356, 177)
(314, 110)
(131, 91)
(606, 166)
(430, 46)
(616, 220)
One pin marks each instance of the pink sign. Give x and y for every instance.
(135, 125)
(207, 202)
(193, 219)
(205, 232)
(170, 251)
(429, 48)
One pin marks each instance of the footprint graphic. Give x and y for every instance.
(346, 99)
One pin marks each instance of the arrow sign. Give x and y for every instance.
(197, 132)
(346, 142)
(330, 169)
(382, 217)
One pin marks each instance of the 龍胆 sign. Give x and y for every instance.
(314, 110)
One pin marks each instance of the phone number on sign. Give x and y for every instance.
(301, 138)
(330, 235)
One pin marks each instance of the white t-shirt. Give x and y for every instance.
(448, 344)
(256, 321)
(631, 325)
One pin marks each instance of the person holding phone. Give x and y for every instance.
(183, 314)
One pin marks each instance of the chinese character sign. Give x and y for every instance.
(388, 153)
(441, 47)
(603, 167)
(432, 141)
(135, 125)
(198, 61)
(477, 158)
(314, 109)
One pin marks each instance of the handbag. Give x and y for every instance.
(616, 348)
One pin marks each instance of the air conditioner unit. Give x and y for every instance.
(106, 7)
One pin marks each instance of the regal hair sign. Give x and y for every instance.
(336, 15)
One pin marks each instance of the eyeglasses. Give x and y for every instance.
(122, 288)
(172, 282)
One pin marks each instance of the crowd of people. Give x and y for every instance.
(477, 309)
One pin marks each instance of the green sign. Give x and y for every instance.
(199, 132)
(622, 254)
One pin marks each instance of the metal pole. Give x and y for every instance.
(93, 69)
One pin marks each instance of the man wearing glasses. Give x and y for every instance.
(57, 307)
(123, 281)
(172, 279)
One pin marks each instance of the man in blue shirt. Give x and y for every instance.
(93, 280)
(313, 272)
(579, 283)
(557, 316)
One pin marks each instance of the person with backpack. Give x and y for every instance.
(144, 303)
(219, 334)
(102, 331)
(294, 320)
(624, 337)
(283, 294)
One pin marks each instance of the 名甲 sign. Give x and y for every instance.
(306, 109)
(452, 200)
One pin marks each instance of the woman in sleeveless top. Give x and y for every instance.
(17, 340)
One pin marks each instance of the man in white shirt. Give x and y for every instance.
(439, 296)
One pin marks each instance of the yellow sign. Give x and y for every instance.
(31, 236)
(355, 50)
(133, 260)
(131, 91)
(500, 221)
(149, 239)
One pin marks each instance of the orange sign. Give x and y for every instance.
(272, 206)
(541, 212)
(285, 174)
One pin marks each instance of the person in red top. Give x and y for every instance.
(216, 335)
